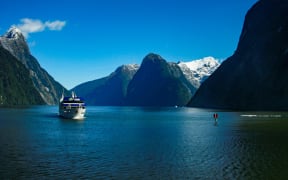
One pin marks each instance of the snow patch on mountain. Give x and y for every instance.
(197, 71)
(13, 33)
(14, 41)
(132, 67)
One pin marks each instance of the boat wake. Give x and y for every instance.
(262, 115)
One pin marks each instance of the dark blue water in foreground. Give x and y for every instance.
(143, 143)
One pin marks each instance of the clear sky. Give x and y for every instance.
(81, 40)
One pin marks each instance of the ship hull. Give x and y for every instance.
(73, 113)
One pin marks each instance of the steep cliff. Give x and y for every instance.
(255, 77)
(16, 86)
(49, 89)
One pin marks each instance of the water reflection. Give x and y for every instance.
(136, 143)
(261, 146)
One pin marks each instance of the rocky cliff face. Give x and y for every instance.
(159, 83)
(110, 90)
(256, 76)
(48, 88)
(15, 43)
(16, 86)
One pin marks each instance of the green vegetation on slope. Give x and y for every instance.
(16, 87)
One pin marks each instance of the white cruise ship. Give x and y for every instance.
(72, 107)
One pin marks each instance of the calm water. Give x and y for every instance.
(143, 143)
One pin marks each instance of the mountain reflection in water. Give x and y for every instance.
(143, 143)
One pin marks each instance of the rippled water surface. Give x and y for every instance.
(143, 143)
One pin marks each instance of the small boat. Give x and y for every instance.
(72, 107)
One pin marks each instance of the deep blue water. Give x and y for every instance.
(143, 143)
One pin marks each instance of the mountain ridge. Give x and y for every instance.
(93, 90)
(110, 90)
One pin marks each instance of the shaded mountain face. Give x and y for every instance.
(16, 87)
(159, 83)
(48, 88)
(256, 76)
(110, 90)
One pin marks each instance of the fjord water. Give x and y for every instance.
(143, 143)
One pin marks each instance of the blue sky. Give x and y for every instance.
(81, 40)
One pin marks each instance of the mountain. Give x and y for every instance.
(16, 87)
(159, 83)
(197, 71)
(110, 90)
(15, 43)
(255, 77)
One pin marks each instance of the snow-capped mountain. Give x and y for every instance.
(49, 89)
(197, 71)
(14, 41)
(155, 82)
(13, 33)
